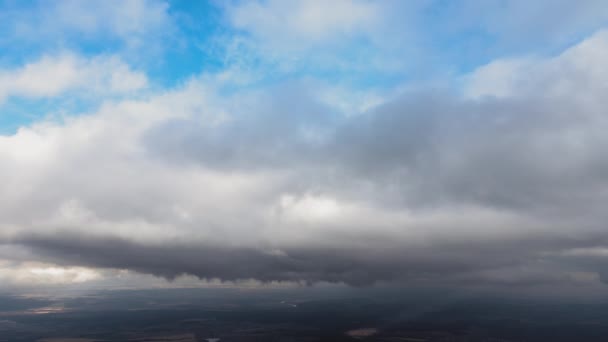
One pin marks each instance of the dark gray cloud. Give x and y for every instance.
(522, 263)
(356, 266)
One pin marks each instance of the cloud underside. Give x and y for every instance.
(504, 264)
(499, 182)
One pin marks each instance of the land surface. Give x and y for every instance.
(218, 315)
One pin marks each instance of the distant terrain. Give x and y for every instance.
(308, 314)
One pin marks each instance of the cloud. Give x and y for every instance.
(563, 75)
(494, 188)
(131, 18)
(493, 264)
(523, 24)
(36, 274)
(355, 266)
(380, 41)
(494, 146)
(55, 75)
(317, 37)
(129, 21)
(300, 23)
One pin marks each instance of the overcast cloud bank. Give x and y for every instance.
(494, 178)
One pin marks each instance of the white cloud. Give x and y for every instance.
(298, 23)
(55, 75)
(525, 24)
(319, 36)
(31, 274)
(123, 18)
(130, 20)
(578, 71)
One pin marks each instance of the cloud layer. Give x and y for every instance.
(496, 178)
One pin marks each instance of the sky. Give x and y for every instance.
(459, 144)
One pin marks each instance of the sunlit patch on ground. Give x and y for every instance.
(67, 339)
(167, 338)
(362, 333)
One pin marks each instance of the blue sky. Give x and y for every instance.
(459, 143)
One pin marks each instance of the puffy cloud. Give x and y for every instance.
(55, 75)
(494, 147)
(563, 75)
